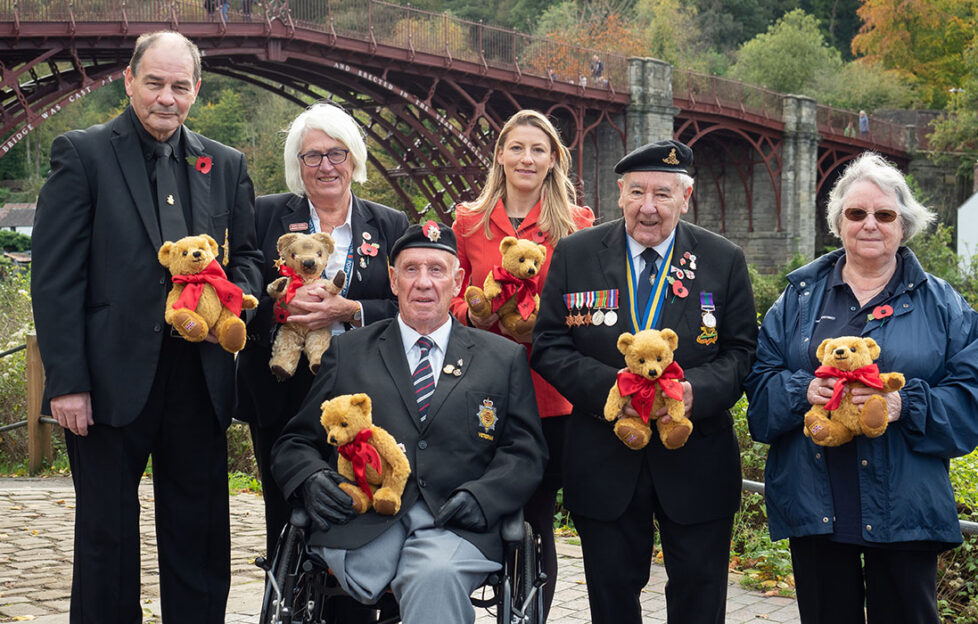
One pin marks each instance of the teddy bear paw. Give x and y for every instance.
(633, 433)
(386, 502)
(190, 325)
(676, 437)
(873, 417)
(360, 501)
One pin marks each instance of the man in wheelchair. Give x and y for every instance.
(467, 420)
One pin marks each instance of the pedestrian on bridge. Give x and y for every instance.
(866, 520)
(528, 195)
(615, 494)
(121, 384)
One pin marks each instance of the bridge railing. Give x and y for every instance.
(845, 123)
(704, 90)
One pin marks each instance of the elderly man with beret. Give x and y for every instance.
(650, 270)
(467, 419)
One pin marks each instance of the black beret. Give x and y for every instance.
(431, 234)
(659, 156)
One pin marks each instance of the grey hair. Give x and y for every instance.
(147, 40)
(872, 167)
(336, 123)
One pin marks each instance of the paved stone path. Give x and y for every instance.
(36, 520)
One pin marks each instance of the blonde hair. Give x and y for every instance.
(558, 192)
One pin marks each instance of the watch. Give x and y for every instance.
(358, 314)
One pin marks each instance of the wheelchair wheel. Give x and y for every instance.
(301, 585)
(527, 597)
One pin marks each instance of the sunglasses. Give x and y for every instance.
(858, 214)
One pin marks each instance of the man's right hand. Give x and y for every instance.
(73, 412)
(325, 501)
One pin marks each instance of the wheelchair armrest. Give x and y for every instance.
(512, 527)
(299, 517)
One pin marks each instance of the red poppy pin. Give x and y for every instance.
(369, 249)
(881, 312)
(431, 231)
(679, 290)
(201, 163)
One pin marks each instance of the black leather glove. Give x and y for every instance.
(461, 510)
(325, 501)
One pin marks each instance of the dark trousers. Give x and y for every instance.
(835, 582)
(618, 554)
(539, 510)
(190, 485)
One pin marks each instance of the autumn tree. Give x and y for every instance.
(923, 39)
(670, 30)
(956, 135)
(789, 57)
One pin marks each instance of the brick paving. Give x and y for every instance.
(36, 520)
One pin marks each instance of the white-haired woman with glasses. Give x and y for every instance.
(867, 519)
(324, 153)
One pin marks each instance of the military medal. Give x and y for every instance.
(708, 331)
(458, 368)
(590, 297)
(611, 316)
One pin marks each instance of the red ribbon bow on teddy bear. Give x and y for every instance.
(869, 375)
(644, 390)
(295, 283)
(361, 454)
(509, 285)
(230, 294)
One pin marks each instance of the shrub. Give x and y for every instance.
(16, 320)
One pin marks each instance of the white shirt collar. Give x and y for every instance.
(314, 216)
(636, 248)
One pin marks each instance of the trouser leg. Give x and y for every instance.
(828, 581)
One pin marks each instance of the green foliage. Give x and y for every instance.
(789, 57)
(14, 241)
(16, 320)
(241, 456)
(768, 286)
(934, 250)
(241, 482)
(838, 19)
(955, 137)
(222, 119)
(725, 24)
(863, 86)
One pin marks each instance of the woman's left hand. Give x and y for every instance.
(894, 402)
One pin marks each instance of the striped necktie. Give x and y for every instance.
(423, 378)
(645, 279)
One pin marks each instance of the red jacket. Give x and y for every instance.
(477, 256)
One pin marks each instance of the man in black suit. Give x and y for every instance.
(120, 383)
(606, 281)
(471, 434)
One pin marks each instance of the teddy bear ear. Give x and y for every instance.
(543, 252)
(671, 338)
(361, 400)
(210, 243)
(326, 240)
(874, 349)
(820, 352)
(284, 241)
(625, 341)
(506, 243)
(164, 254)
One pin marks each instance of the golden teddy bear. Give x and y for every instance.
(368, 456)
(511, 289)
(652, 380)
(302, 258)
(849, 359)
(202, 298)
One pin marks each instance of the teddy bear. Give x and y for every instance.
(202, 298)
(849, 359)
(302, 258)
(651, 380)
(511, 289)
(368, 456)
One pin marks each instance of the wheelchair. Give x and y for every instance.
(300, 590)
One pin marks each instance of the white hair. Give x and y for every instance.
(336, 123)
(871, 167)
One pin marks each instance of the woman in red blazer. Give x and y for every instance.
(528, 194)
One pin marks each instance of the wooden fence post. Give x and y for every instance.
(38, 433)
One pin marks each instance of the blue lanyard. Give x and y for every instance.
(347, 266)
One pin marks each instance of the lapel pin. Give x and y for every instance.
(169, 199)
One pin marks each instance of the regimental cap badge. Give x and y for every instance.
(431, 231)
(487, 415)
(671, 158)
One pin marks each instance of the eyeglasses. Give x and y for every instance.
(858, 214)
(336, 156)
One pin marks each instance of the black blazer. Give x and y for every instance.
(700, 481)
(261, 398)
(500, 465)
(99, 291)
